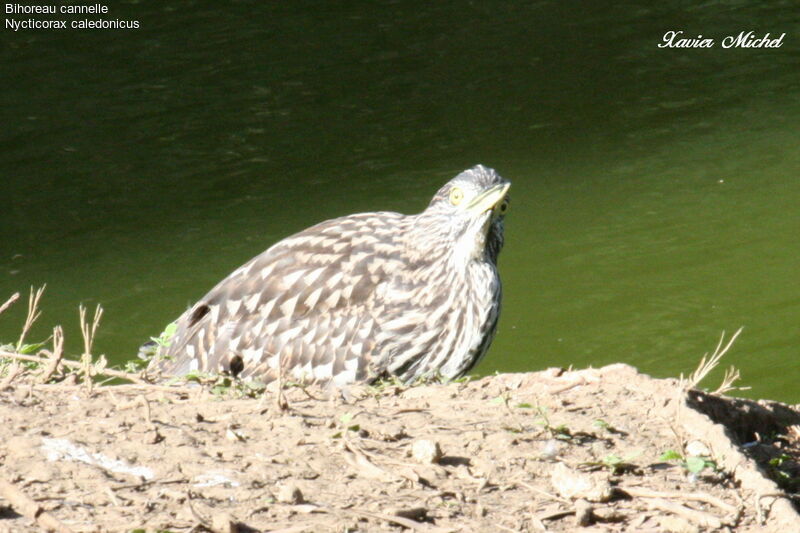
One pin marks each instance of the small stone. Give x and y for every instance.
(289, 493)
(153, 436)
(224, 523)
(696, 448)
(476, 435)
(418, 514)
(584, 513)
(501, 440)
(480, 467)
(426, 451)
(306, 508)
(21, 394)
(20, 446)
(550, 449)
(674, 524)
(391, 432)
(42, 472)
(574, 485)
(234, 435)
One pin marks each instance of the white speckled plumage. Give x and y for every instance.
(359, 297)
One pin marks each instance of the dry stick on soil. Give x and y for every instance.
(700, 518)
(280, 399)
(78, 366)
(201, 520)
(15, 370)
(300, 528)
(33, 314)
(143, 386)
(9, 302)
(359, 460)
(29, 508)
(398, 520)
(642, 492)
(760, 511)
(55, 357)
(88, 331)
(545, 494)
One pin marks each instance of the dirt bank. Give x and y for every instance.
(595, 450)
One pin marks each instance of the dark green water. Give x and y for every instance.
(655, 191)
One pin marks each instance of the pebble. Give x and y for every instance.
(20, 446)
(573, 485)
(224, 523)
(426, 451)
(289, 493)
(21, 394)
(674, 524)
(418, 514)
(550, 450)
(697, 449)
(584, 513)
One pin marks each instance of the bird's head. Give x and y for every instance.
(467, 214)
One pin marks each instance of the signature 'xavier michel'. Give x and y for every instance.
(359, 297)
(677, 39)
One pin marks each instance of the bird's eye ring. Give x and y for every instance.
(456, 195)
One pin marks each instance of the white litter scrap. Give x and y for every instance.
(63, 449)
(213, 478)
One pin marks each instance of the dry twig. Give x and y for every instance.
(54, 359)
(79, 365)
(280, 398)
(359, 460)
(543, 493)
(397, 520)
(14, 371)
(9, 302)
(29, 508)
(760, 516)
(700, 518)
(642, 492)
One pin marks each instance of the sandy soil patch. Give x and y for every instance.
(592, 450)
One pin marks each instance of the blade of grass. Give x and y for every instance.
(9, 302)
(33, 314)
(88, 331)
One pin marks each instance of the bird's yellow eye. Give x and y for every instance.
(504, 206)
(456, 195)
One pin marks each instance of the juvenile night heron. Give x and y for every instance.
(359, 297)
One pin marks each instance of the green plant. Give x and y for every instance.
(222, 385)
(781, 468)
(345, 425)
(605, 426)
(614, 463)
(165, 338)
(694, 465)
(560, 431)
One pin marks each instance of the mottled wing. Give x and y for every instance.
(307, 304)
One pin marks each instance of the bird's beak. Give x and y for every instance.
(488, 199)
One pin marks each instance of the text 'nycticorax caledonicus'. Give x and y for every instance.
(359, 297)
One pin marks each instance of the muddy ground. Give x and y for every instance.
(592, 450)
